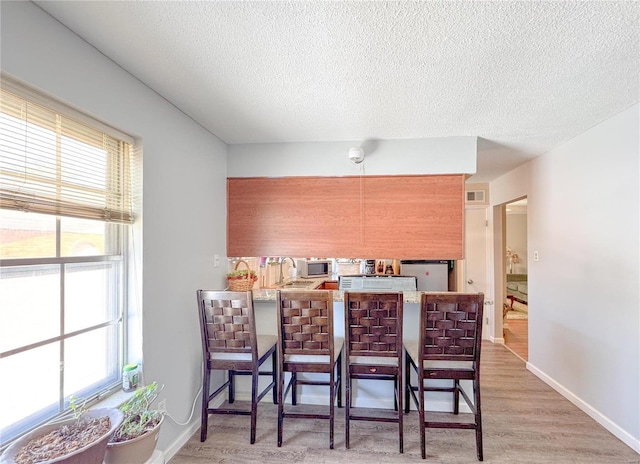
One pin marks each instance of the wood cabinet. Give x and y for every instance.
(291, 216)
(328, 285)
(350, 217)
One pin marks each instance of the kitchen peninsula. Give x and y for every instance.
(269, 294)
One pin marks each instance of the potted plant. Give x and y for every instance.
(81, 440)
(135, 439)
(241, 280)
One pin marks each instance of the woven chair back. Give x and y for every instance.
(451, 326)
(306, 322)
(373, 323)
(227, 322)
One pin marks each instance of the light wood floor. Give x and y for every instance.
(516, 337)
(524, 421)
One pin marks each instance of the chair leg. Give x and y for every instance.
(399, 409)
(407, 380)
(280, 405)
(294, 388)
(232, 389)
(423, 447)
(274, 371)
(339, 378)
(478, 418)
(204, 420)
(254, 404)
(395, 393)
(348, 410)
(456, 396)
(332, 398)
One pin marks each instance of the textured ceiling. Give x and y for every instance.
(523, 76)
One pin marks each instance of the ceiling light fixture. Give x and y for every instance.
(356, 155)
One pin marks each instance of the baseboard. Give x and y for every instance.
(515, 354)
(156, 458)
(596, 415)
(496, 340)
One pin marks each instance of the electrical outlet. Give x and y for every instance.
(162, 406)
(216, 260)
(536, 256)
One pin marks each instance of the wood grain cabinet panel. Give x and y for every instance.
(291, 216)
(414, 216)
(369, 216)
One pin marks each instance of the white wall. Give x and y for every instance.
(584, 297)
(184, 190)
(450, 155)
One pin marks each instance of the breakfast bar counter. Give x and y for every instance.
(269, 294)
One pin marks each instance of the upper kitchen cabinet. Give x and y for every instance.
(414, 216)
(292, 216)
(384, 216)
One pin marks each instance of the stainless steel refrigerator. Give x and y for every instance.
(433, 276)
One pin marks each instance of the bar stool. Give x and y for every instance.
(374, 349)
(448, 348)
(229, 342)
(306, 344)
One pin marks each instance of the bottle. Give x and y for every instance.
(130, 376)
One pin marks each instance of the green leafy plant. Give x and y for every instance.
(242, 274)
(139, 418)
(78, 409)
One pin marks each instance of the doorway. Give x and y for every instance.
(516, 318)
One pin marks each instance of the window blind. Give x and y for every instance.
(51, 163)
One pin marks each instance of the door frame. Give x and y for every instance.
(499, 219)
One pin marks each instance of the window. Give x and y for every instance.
(65, 215)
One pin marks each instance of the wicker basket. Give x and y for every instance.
(241, 285)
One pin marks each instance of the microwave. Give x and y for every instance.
(311, 268)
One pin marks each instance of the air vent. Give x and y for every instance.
(364, 283)
(475, 196)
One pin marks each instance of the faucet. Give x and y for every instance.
(281, 262)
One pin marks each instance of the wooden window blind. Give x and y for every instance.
(54, 164)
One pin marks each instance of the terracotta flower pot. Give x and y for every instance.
(92, 453)
(135, 451)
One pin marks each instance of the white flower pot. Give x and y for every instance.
(135, 451)
(92, 453)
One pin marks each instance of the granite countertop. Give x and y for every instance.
(269, 294)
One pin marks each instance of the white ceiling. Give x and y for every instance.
(524, 76)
